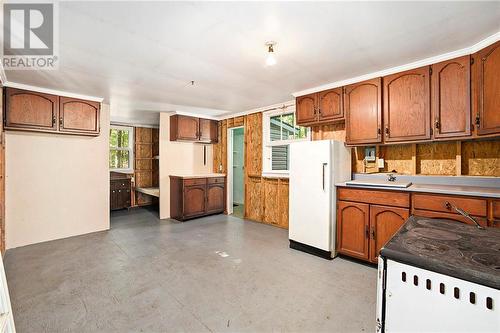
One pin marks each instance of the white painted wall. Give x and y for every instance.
(178, 158)
(238, 163)
(57, 185)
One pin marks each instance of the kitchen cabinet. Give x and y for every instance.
(451, 98)
(406, 103)
(196, 197)
(363, 112)
(29, 110)
(320, 108)
(78, 116)
(487, 90)
(353, 229)
(384, 223)
(120, 193)
(186, 128)
(33, 111)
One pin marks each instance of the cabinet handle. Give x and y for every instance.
(437, 124)
(478, 121)
(60, 121)
(53, 120)
(367, 232)
(387, 131)
(373, 233)
(379, 131)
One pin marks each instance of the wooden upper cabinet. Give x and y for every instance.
(195, 129)
(384, 223)
(363, 112)
(208, 130)
(330, 105)
(78, 116)
(451, 99)
(306, 107)
(487, 90)
(407, 105)
(352, 229)
(30, 110)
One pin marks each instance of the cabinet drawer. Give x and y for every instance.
(476, 207)
(195, 181)
(216, 180)
(120, 184)
(378, 197)
(496, 209)
(443, 215)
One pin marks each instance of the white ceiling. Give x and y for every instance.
(141, 56)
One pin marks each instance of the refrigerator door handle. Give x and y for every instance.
(324, 165)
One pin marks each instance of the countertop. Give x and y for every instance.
(476, 191)
(199, 175)
(448, 247)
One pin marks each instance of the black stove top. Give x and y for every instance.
(448, 247)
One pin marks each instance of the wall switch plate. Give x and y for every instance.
(380, 163)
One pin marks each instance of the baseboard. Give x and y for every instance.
(311, 250)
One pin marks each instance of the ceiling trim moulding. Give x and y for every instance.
(52, 91)
(425, 62)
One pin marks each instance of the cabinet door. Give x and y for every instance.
(30, 110)
(330, 105)
(208, 130)
(194, 200)
(487, 87)
(352, 229)
(215, 198)
(363, 107)
(306, 109)
(451, 111)
(113, 199)
(384, 223)
(78, 116)
(184, 128)
(407, 105)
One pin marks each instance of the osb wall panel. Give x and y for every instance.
(143, 178)
(329, 132)
(144, 164)
(253, 198)
(143, 134)
(235, 122)
(437, 158)
(219, 149)
(271, 205)
(146, 168)
(481, 158)
(143, 150)
(398, 158)
(283, 190)
(253, 144)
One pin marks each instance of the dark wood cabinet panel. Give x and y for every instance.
(363, 108)
(451, 99)
(352, 229)
(78, 116)
(208, 130)
(407, 106)
(384, 223)
(306, 107)
(215, 198)
(330, 105)
(120, 193)
(196, 197)
(193, 129)
(194, 200)
(30, 110)
(487, 90)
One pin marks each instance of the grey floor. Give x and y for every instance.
(216, 274)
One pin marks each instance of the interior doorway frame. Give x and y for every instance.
(230, 183)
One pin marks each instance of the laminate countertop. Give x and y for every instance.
(200, 175)
(475, 191)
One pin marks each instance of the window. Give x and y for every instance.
(121, 151)
(279, 130)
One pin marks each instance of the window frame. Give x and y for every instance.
(267, 143)
(130, 148)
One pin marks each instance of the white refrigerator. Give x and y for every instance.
(315, 167)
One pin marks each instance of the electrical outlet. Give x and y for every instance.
(380, 163)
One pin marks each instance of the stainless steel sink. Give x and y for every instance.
(379, 183)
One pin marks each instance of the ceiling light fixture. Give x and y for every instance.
(270, 60)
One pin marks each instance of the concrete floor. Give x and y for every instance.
(216, 274)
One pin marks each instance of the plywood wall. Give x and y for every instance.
(266, 199)
(146, 173)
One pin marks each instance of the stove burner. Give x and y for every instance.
(433, 233)
(424, 247)
(487, 259)
(486, 244)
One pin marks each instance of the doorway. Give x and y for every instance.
(236, 171)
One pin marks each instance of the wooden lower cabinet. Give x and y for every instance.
(196, 197)
(120, 194)
(352, 229)
(384, 223)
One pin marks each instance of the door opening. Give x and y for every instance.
(236, 172)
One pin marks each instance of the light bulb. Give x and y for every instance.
(270, 60)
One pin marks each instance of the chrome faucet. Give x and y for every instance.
(391, 177)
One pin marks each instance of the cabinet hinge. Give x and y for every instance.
(430, 70)
(472, 61)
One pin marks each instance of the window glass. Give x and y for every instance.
(279, 157)
(120, 148)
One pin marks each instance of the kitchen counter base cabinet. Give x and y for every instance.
(120, 193)
(196, 197)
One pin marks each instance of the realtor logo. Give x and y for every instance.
(29, 36)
